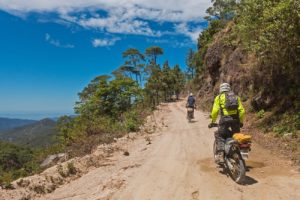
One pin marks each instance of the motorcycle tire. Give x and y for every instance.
(236, 167)
(190, 117)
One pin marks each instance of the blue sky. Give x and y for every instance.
(50, 50)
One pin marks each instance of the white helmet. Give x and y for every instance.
(191, 94)
(225, 87)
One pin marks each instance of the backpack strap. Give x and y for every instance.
(222, 112)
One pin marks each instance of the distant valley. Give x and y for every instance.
(7, 123)
(30, 133)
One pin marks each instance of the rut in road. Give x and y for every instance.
(178, 164)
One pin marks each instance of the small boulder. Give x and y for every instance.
(53, 159)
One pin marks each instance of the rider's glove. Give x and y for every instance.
(241, 124)
(212, 125)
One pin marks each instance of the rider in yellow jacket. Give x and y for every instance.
(230, 121)
(219, 104)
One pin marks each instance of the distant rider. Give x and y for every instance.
(232, 115)
(191, 102)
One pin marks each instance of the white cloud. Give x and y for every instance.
(172, 42)
(117, 25)
(57, 43)
(122, 16)
(169, 10)
(104, 42)
(191, 32)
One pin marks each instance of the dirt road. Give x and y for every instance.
(178, 164)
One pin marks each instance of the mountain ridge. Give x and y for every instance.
(10, 123)
(37, 134)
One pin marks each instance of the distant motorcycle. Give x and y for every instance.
(190, 114)
(236, 152)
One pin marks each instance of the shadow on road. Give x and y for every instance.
(208, 165)
(248, 180)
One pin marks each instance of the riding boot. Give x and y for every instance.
(220, 156)
(220, 142)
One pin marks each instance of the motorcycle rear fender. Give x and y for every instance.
(231, 146)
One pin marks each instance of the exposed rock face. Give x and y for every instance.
(54, 159)
(226, 63)
(213, 60)
(259, 102)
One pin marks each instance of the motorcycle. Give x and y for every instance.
(236, 151)
(190, 114)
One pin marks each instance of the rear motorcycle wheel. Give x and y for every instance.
(236, 167)
(190, 116)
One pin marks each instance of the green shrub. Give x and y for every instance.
(71, 168)
(40, 189)
(16, 162)
(61, 171)
(261, 114)
(290, 123)
(133, 121)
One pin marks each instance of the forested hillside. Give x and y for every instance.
(38, 134)
(7, 123)
(255, 46)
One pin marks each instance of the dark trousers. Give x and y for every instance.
(227, 127)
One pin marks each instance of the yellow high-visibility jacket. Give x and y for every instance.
(220, 101)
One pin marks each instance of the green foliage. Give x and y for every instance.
(109, 98)
(163, 83)
(270, 29)
(290, 123)
(132, 120)
(61, 171)
(221, 12)
(39, 134)
(261, 114)
(134, 65)
(39, 189)
(71, 168)
(205, 39)
(15, 162)
(222, 9)
(64, 126)
(190, 61)
(153, 52)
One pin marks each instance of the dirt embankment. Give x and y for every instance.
(174, 161)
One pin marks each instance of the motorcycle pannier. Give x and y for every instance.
(242, 138)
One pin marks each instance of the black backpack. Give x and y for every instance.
(231, 101)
